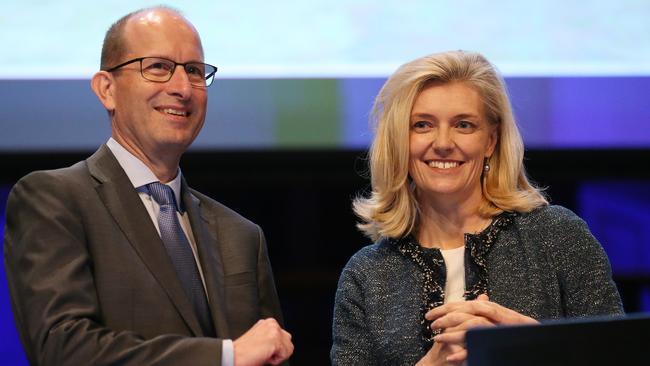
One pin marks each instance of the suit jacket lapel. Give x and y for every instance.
(211, 265)
(124, 204)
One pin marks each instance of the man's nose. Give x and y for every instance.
(179, 83)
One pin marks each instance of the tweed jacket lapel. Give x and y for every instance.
(122, 201)
(204, 230)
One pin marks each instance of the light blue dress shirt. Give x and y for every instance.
(139, 174)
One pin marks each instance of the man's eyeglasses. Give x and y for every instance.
(160, 70)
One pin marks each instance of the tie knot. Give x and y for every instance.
(163, 194)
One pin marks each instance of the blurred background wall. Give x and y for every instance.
(287, 127)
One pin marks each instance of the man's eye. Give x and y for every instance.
(160, 66)
(194, 70)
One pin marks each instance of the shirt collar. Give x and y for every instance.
(139, 174)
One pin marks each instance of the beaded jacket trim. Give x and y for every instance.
(432, 264)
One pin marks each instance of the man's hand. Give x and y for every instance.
(266, 342)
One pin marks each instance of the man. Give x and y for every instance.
(115, 260)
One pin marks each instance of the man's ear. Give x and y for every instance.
(103, 85)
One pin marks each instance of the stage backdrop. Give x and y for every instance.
(300, 77)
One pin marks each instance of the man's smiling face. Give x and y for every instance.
(154, 118)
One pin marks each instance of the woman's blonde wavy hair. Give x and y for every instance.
(391, 210)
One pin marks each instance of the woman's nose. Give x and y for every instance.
(442, 142)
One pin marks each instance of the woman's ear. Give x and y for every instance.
(103, 85)
(492, 142)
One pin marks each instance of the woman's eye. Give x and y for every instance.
(420, 125)
(466, 126)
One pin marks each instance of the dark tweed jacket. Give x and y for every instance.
(546, 265)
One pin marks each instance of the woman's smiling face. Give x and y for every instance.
(449, 139)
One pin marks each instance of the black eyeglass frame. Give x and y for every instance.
(209, 78)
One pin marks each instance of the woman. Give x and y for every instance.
(462, 237)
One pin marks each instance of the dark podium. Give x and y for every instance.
(586, 341)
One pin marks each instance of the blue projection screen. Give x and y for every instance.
(304, 74)
(345, 38)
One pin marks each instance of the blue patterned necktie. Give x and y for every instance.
(180, 252)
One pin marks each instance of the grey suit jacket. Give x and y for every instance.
(91, 282)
